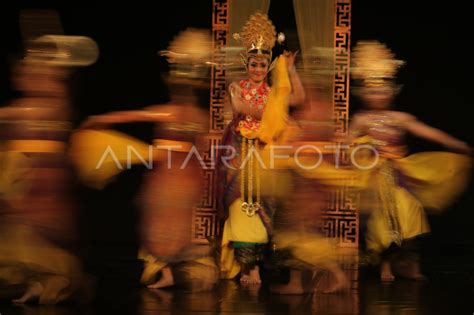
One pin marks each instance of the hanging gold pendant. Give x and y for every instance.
(246, 183)
(257, 206)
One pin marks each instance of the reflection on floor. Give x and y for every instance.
(443, 294)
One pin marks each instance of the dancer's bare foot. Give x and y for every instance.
(244, 278)
(340, 281)
(55, 290)
(254, 276)
(166, 280)
(415, 272)
(386, 274)
(294, 286)
(411, 270)
(33, 292)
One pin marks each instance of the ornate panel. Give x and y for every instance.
(340, 218)
(205, 224)
(220, 29)
(205, 219)
(341, 63)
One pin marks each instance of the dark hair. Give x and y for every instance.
(260, 52)
(258, 56)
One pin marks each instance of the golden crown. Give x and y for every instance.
(374, 63)
(189, 53)
(258, 36)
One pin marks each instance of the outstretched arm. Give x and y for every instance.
(8, 112)
(298, 95)
(121, 117)
(425, 131)
(15, 112)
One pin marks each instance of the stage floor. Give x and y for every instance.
(445, 293)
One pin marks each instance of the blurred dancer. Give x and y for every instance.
(397, 186)
(38, 209)
(297, 243)
(174, 185)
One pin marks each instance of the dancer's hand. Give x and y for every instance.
(235, 91)
(236, 97)
(290, 59)
(95, 122)
(462, 147)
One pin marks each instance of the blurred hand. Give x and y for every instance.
(235, 92)
(95, 122)
(464, 148)
(290, 58)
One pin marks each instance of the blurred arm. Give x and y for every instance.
(121, 117)
(425, 131)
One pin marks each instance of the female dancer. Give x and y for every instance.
(260, 117)
(399, 185)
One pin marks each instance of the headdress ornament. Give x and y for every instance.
(189, 53)
(258, 36)
(374, 63)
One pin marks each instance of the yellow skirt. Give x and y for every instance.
(411, 222)
(429, 180)
(239, 228)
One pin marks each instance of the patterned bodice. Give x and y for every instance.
(386, 133)
(253, 98)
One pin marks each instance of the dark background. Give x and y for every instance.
(434, 39)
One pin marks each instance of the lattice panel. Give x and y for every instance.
(218, 92)
(205, 220)
(205, 224)
(343, 14)
(340, 220)
(341, 63)
(343, 200)
(220, 29)
(343, 227)
(210, 158)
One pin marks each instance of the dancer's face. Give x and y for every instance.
(378, 97)
(39, 80)
(257, 69)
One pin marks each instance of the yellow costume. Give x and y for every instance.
(395, 187)
(396, 190)
(246, 227)
(245, 203)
